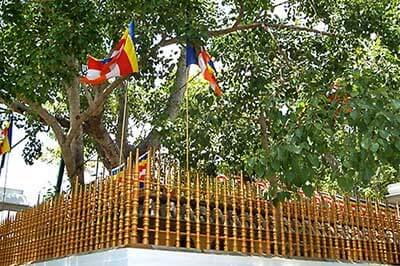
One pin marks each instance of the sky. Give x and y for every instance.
(33, 179)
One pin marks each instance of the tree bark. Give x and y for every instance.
(76, 144)
(105, 145)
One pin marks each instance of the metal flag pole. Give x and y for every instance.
(123, 127)
(187, 125)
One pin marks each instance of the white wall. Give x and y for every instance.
(153, 257)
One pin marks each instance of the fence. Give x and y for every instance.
(165, 208)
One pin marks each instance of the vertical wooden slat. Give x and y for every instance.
(388, 232)
(379, 252)
(197, 192)
(208, 213)
(168, 187)
(281, 226)
(135, 201)
(128, 200)
(78, 218)
(396, 221)
(251, 221)
(289, 226)
(73, 222)
(38, 229)
(275, 232)
(371, 255)
(103, 207)
(359, 230)
(16, 236)
(392, 220)
(314, 210)
(336, 222)
(381, 230)
(146, 203)
(374, 232)
(225, 216)
(157, 207)
(93, 215)
(188, 210)
(242, 215)
(216, 211)
(109, 212)
(234, 217)
(101, 217)
(340, 215)
(178, 208)
(346, 225)
(364, 229)
(66, 224)
(259, 222)
(323, 227)
(303, 225)
(60, 225)
(24, 240)
(296, 227)
(85, 219)
(328, 202)
(354, 230)
(119, 207)
(310, 227)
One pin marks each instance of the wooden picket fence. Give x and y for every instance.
(170, 209)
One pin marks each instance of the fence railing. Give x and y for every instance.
(164, 208)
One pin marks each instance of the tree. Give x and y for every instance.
(275, 120)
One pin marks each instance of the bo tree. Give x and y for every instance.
(279, 62)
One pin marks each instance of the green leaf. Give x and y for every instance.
(260, 169)
(374, 147)
(365, 143)
(308, 190)
(397, 144)
(396, 104)
(345, 183)
(354, 115)
(313, 160)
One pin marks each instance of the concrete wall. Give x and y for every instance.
(156, 257)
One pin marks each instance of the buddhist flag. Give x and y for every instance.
(203, 60)
(5, 138)
(222, 178)
(142, 165)
(123, 61)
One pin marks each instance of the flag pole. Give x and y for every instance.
(187, 124)
(123, 127)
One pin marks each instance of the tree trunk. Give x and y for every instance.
(173, 106)
(264, 131)
(76, 145)
(105, 145)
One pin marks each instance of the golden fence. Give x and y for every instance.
(169, 209)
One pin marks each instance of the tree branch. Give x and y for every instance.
(279, 4)
(49, 119)
(93, 109)
(240, 15)
(255, 25)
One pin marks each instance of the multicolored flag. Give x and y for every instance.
(142, 167)
(203, 60)
(117, 169)
(123, 61)
(5, 138)
(222, 178)
(262, 186)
